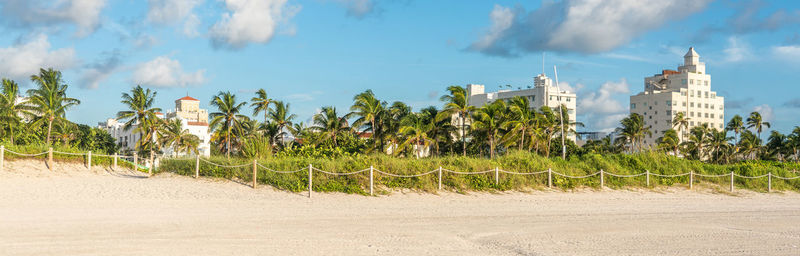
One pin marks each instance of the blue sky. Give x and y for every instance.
(322, 52)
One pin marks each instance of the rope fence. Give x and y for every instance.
(135, 160)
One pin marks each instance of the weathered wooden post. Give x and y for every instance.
(648, 178)
(691, 179)
(602, 180)
(769, 182)
(497, 176)
(196, 166)
(2, 156)
(549, 177)
(255, 172)
(440, 178)
(731, 181)
(115, 160)
(371, 191)
(309, 180)
(50, 159)
(89, 161)
(152, 163)
(135, 161)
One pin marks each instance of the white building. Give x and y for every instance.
(686, 90)
(543, 93)
(187, 109)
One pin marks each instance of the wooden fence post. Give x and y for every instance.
(496, 176)
(691, 179)
(309, 181)
(769, 182)
(196, 166)
(135, 161)
(602, 180)
(440, 178)
(89, 161)
(648, 178)
(115, 160)
(255, 172)
(371, 191)
(549, 177)
(50, 159)
(731, 181)
(2, 156)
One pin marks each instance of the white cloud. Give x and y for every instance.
(22, 60)
(586, 26)
(601, 110)
(787, 52)
(358, 8)
(736, 50)
(166, 72)
(84, 14)
(250, 21)
(100, 71)
(565, 86)
(172, 12)
(767, 114)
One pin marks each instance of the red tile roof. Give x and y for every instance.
(188, 98)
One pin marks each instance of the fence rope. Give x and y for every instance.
(405, 176)
(286, 172)
(339, 173)
(521, 173)
(68, 153)
(786, 178)
(22, 154)
(670, 176)
(224, 166)
(625, 176)
(748, 177)
(713, 176)
(451, 171)
(576, 177)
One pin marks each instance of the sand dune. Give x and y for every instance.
(73, 211)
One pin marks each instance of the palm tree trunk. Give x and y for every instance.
(463, 136)
(522, 141)
(228, 142)
(49, 129)
(11, 133)
(491, 146)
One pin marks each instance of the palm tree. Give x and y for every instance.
(227, 117)
(670, 141)
(261, 103)
(633, 130)
(173, 135)
(749, 144)
(793, 141)
(329, 124)
(12, 107)
(440, 131)
(736, 125)
(456, 104)
(681, 122)
(49, 100)
(282, 119)
(368, 110)
(415, 131)
(489, 119)
(524, 119)
(777, 145)
(757, 122)
(719, 145)
(698, 141)
(140, 112)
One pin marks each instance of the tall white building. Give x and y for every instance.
(543, 93)
(686, 90)
(187, 109)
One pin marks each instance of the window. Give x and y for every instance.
(706, 105)
(683, 81)
(669, 112)
(691, 81)
(655, 103)
(706, 95)
(705, 83)
(691, 114)
(712, 115)
(645, 104)
(713, 95)
(650, 107)
(656, 113)
(650, 117)
(691, 104)
(683, 104)
(691, 122)
(691, 94)
(669, 102)
(720, 126)
(706, 115)
(633, 105)
(568, 99)
(712, 106)
(683, 93)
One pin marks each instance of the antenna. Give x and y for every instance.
(561, 113)
(543, 53)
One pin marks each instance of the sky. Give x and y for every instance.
(316, 53)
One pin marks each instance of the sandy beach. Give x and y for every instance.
(73, 211)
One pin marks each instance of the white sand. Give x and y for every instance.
(72, 211)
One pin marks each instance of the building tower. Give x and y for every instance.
(686, 90)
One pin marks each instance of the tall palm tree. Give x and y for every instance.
(793, 141)
(172, 134)
(329, 124)
(681, 123)
(12, 107)
(261, 103)
(719, 145)
(49, 99)
(489, 119)
(777, 145)
(633, 130)
(698, 141)
(757, 122)
(524, 119)
(227, 118)
(749, 144)
(140, 112)
(368, 110)
(415, 130)
(670, 141)
(736, 125)
(282, 118)
(440, 131)
(456, 104)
